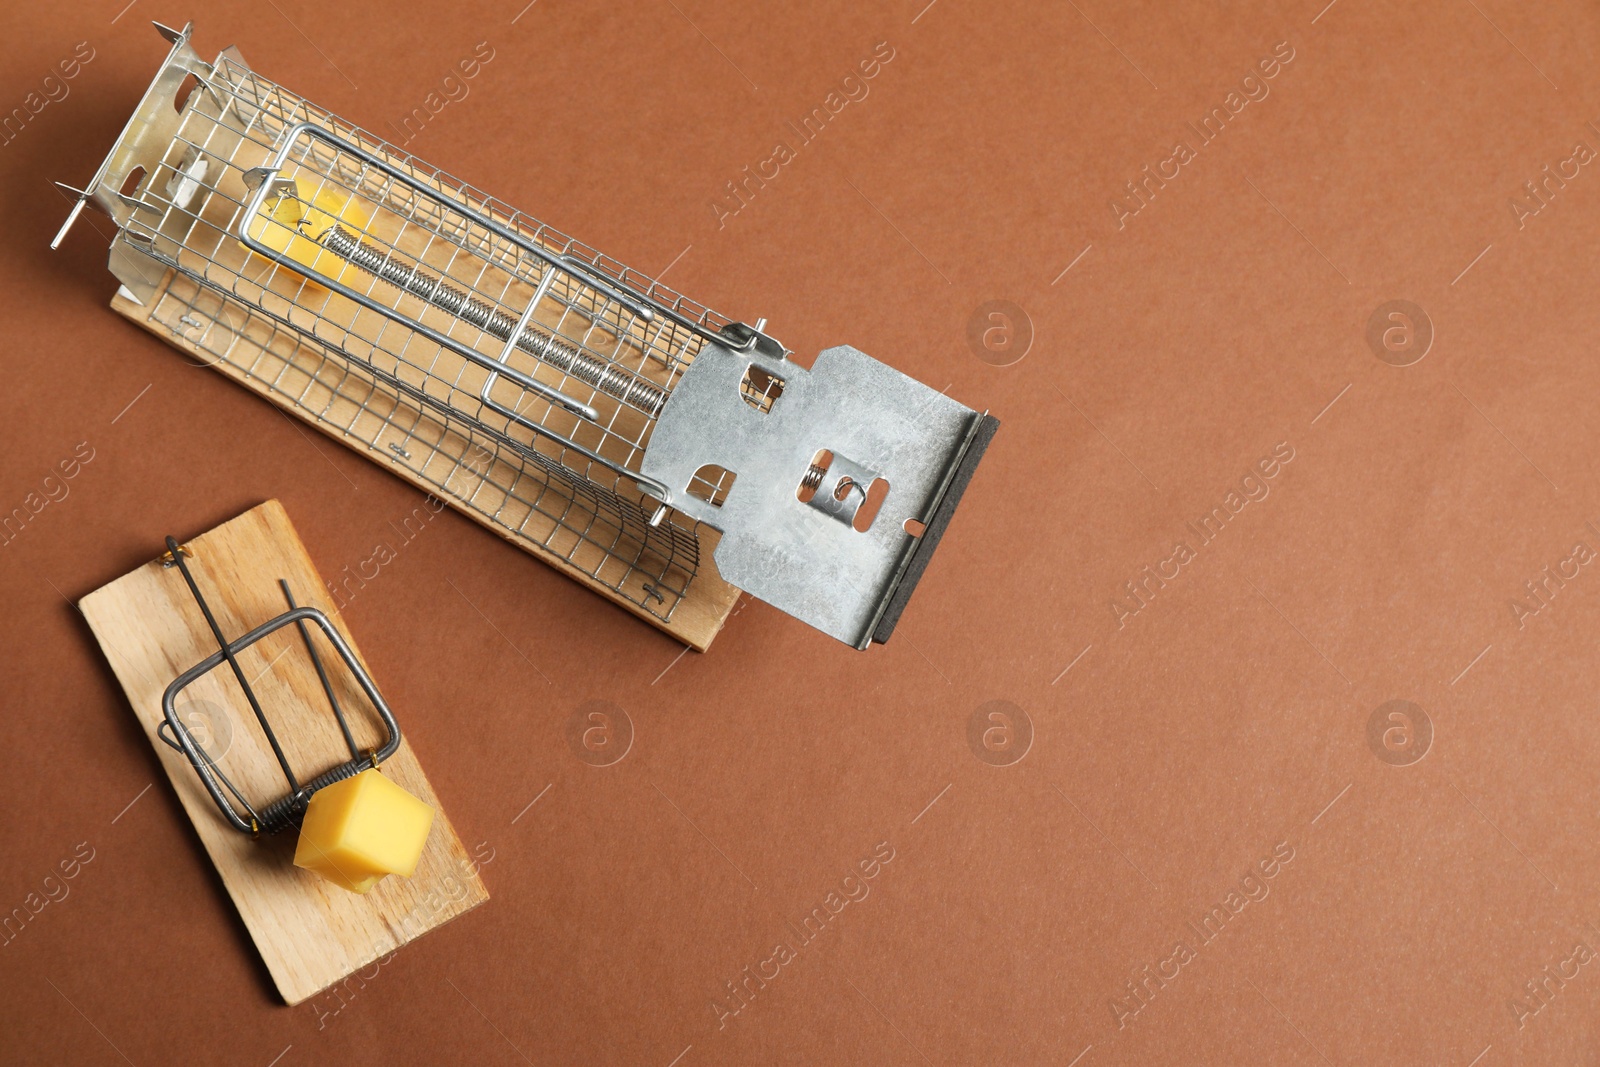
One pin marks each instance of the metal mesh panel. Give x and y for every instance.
(494, 417)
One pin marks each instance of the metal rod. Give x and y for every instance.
(215, 767)
(176, 551)
(487, 393)
(316, 661)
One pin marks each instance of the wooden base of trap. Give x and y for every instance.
(697, 617)
(310, 932)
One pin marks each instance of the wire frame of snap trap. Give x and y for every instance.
(502, 363)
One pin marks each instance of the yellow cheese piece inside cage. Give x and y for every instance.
(295, 224)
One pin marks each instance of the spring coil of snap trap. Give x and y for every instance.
(287, 811)
(596, 373)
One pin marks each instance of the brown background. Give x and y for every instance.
(1220, 721)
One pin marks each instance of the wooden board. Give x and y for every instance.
(310, 932)
(462, 470)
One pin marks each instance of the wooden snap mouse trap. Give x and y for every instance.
(283, 751)
(663, 454)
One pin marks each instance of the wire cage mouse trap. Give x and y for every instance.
(589, 414)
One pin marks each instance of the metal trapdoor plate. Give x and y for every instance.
(806, 557)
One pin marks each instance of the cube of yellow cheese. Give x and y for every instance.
(360, 829)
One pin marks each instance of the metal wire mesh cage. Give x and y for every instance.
(516, 373)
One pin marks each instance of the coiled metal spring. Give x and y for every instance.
(597, 373)
(287, 811)
(813, 477)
